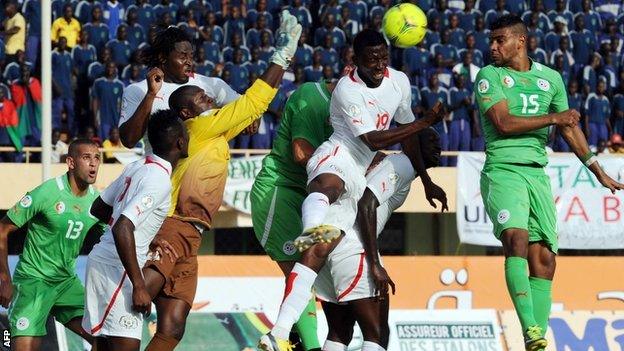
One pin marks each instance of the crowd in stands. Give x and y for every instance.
(97, 51)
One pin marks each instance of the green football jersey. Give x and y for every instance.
(305, 116)
(58, 222)
(536, 92)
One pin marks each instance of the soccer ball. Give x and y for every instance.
(405, 25)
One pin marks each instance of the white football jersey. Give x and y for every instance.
(142, 194)
(356, 109)
(134, 93)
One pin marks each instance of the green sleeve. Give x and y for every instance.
(488, 89)
(304, 122)
(31, 204)
(559, 101)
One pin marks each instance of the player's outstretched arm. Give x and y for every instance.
(578, 144)
(133, 129)
(508, 124)
(101, 210)
(123, 233)
(6, 286)
(367, 223)
(302, 151)
(381, 139)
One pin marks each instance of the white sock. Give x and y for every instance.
(314, 209)
(297, 295)
(371, 346)
(334, 346)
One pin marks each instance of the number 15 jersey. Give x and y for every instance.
(58, 222)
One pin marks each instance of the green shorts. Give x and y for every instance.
(517, 196)
(34, 299)
(276, 217)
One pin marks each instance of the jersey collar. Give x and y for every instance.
(356, 77)
(158, 161)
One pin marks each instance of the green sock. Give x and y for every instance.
(306, 326)
(520, 290)
(541, 289)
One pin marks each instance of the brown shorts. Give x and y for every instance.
(181, 275)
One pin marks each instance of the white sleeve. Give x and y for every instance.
(132, 97)
(404, 114)
(351, 105)
(147, 191)
(218, 89)
(110, 193)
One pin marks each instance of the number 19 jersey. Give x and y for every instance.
(58, 222)
(536, 92)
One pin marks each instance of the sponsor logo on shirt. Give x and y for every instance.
(289, 248)
(543, 84)
(26, 201)
(129, 321)
(59, 207)
(147, 201)
(394, 178)
(508, 81)
(483, 86)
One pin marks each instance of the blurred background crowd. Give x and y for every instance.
(98, 45)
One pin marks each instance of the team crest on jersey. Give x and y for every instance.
(354, 111)
(289, 248)
(129, 321)
(26, 201)
(543, 84)
(147, 201)
(503, 216)
(22, 323)
(59, 207)
(394, 178)
(483, 86)
(508, 81)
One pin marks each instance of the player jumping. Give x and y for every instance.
(199, 181)
(518, 99)
(135, 205)
(362, 107)
(45, 281)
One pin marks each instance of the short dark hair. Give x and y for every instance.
(365, 39)
(163, 129)
(164, 44)
(76, 143)
(180, 97)
(509, 20)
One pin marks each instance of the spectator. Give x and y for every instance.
(14, 31)
(120, 48)
(381, 8)
(590, 76)
(493, 14)
(253, 34)
(560, 10)
(202, 65)
(618, 110)
(166, 6)
(84, 10)
(96, 69)
(215, 32)
(537, 16)
(314, 72)
(446, 50)
(445, 75)
(432, 36)
(299, 79)
(98, 31)
(135, 72)
(477, 55)
(330, 8)
(60, 146)
(610, 34)
(358, 11)
(431, 94)
(303, 55)
(560, 66)
(551, 40)
(416, 61)
(302, 13)
(568, 59)
(535, 53)
(592, 20)
(261, 10)
(239, 73)
(145, 13)
(82, 56)
(26, 94)
(467, 69)
(615, 144)
(575, 101)
(113, 142)
(114, 14)
(106, 104)
(255, 65)
(440, 12)
(486, 5)
(328, 73)
(583, 42)
(188, 23)
(457, 36)
(212, 50)
(482, 37)
(460, 105)
(346, 59)
(609, 73)
(338, 37)
(237, 43)
(515, 7)
(13, 70)
(349, 26)
(416, 100)
(608, 9)
(9, 121)
(575, 6)
(67, 27)
(534, 30)
(329, 55)
(89, 133)
(468, 17)
(234, 24)
(62, 88)
(597, 113)
(135, 33)
(266, 47)
(32, 11)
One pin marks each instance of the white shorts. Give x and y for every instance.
(108, 302)
(335, 159)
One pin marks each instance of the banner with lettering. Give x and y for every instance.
(241, 174)
(588, 215)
